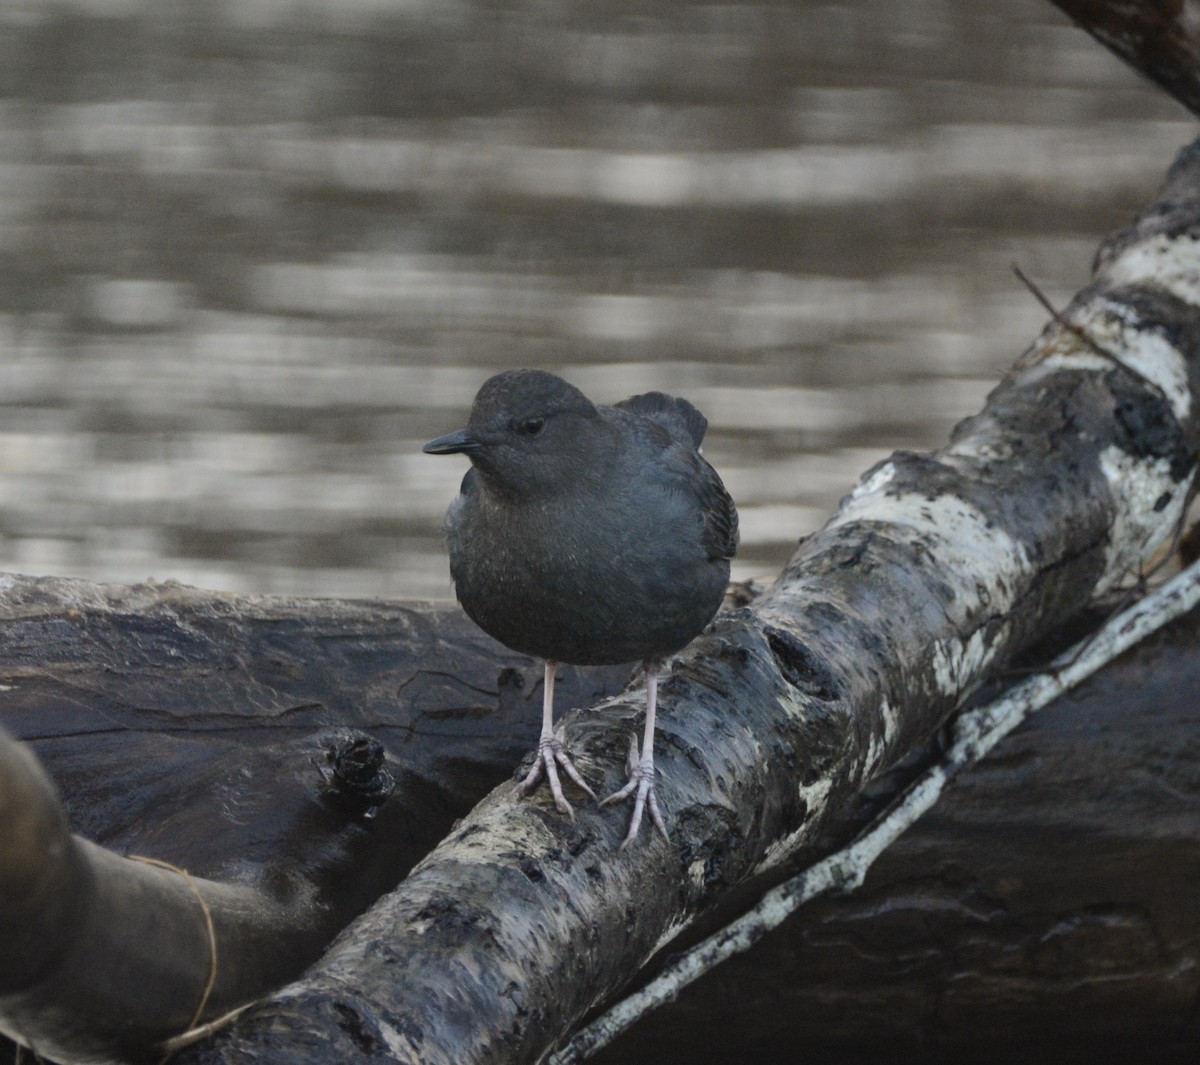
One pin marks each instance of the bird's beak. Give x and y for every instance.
(453, 444)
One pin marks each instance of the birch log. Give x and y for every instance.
(1045, 911)
(1046, 908)
(936, 570)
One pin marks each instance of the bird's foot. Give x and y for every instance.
(641, 785)
(551, 755)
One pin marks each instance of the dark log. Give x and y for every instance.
(214, 732)
(102, 952)
(1160, 38)
(168, 698)
(936, 570)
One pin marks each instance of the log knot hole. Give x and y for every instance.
(350, 1021)
(800, 667)
(357, 773)
(1147, 426)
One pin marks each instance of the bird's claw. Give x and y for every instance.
(551, 755)
(641, 785)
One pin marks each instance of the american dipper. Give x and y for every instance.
(590, 535)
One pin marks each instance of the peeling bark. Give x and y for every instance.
(968, 739)
(934, 573)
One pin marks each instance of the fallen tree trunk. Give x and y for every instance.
(970, 737)
(935, 572)
(74, 912)
(1045, 911)
(1048, 904)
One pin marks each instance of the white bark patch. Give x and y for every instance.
(1172, 263)
(887, 715)
(673, 929)
(875, 750)
(979, 561)
(1058, 359)
(815, 797)
(957, 666)
(880, 742)
(1138, 529)
(1115, 329)
(874, 482)
(1145, 350)
(402, 1049)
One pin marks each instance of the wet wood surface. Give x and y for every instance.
(1045, 908)
(1044, 911)
(219, 733)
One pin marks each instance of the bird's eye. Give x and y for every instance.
(532, 426)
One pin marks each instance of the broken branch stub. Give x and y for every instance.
(1160, 40)
(936, 569)
(73, 912)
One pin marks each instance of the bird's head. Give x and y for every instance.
(530, 435)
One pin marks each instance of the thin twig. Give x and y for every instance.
(203, 1031)
(1078, 331)
(213, 966)
(974, 734)
(1038, 294)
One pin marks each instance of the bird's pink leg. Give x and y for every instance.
(551, 754)
(641, 771)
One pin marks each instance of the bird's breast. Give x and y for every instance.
(586, 586)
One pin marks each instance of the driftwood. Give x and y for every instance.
(936, 571)
(994, 917)
(972, 735)
(224, 735)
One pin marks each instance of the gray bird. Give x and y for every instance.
(590, 535)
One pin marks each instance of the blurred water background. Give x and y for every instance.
(255, 252)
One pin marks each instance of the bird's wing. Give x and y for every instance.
(681, 468)
(468, 488)
(677, 416)
(470, 483)
(720, 537)
(685, 468)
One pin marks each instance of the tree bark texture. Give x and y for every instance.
(936, 570)
(1160, 38)
(1045, 911)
